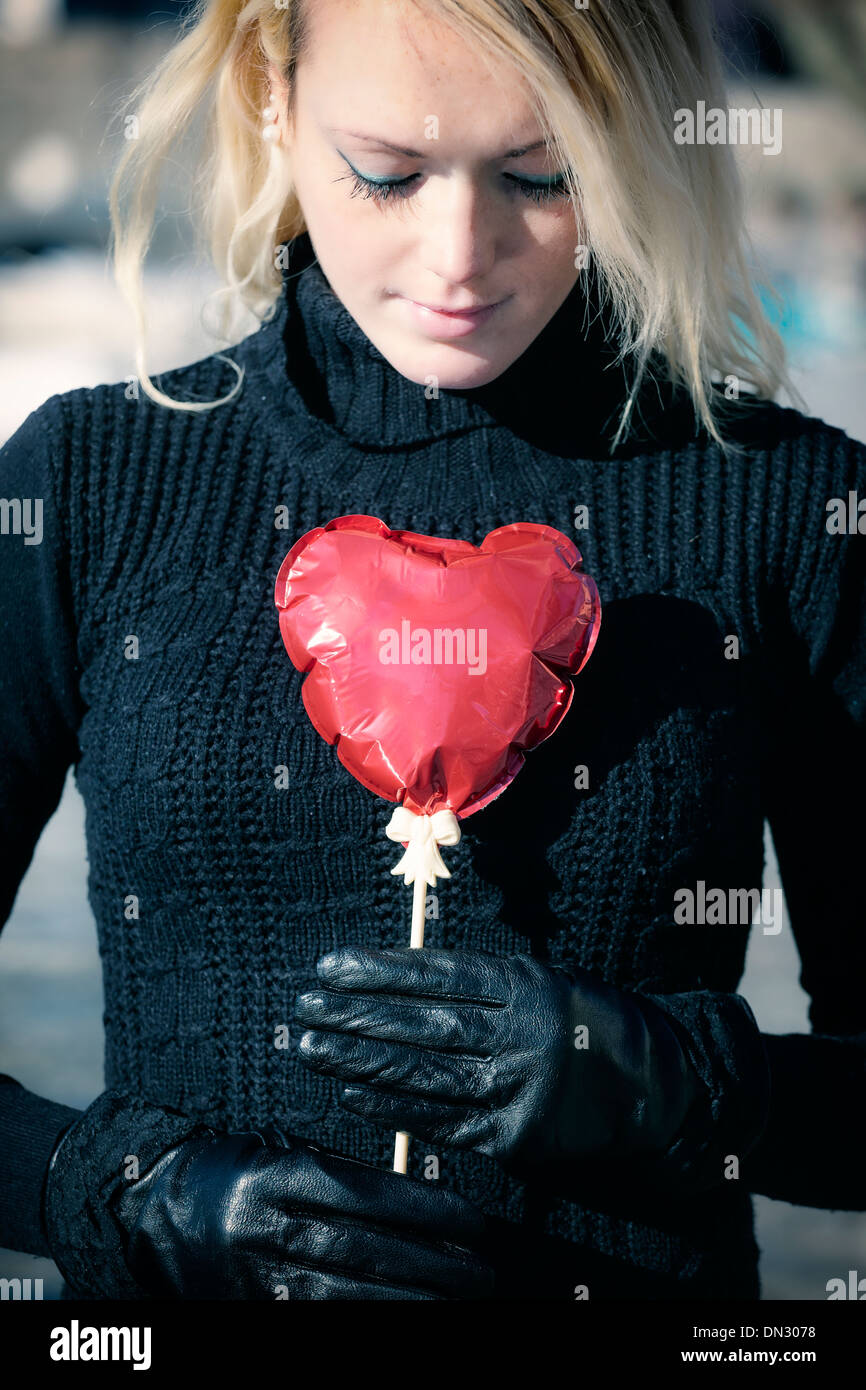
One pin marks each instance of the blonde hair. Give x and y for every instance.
(662, 222)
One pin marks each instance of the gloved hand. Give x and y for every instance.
(260, 1215)
(490, 1053)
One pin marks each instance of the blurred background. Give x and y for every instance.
(65, 66)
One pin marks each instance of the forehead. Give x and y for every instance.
(388, 66)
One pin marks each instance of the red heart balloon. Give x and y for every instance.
(433, 664)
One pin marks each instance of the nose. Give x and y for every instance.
(462, 233)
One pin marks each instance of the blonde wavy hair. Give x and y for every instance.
(662, 222)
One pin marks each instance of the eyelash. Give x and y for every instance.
(380, 192)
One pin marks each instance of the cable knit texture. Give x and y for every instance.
(90, 1166)
(141, 646)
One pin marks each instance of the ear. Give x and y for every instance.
(279, 90)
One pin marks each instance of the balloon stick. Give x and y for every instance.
(420, 865)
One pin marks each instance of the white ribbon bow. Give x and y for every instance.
(424, 833)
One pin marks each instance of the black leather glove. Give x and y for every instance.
(259, 1215)
(535, 1066)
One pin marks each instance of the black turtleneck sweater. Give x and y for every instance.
(215, 889)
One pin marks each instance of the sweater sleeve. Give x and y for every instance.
(40, 711)
(789, 1108)
(811, 1150)
(69, 1219)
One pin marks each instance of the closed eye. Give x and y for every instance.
(541, 189)
(380, 190)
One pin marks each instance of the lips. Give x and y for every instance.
(449, 323)
(455, 313)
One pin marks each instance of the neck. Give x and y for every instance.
(563, 394)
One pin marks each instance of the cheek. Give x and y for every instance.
(353, 259)
(559, 236)
(554, 254)
(324, 197)
(345, 239)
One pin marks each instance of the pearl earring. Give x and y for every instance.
(271, 130)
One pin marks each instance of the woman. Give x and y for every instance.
(501, 291)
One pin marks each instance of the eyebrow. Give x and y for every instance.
(419, 154)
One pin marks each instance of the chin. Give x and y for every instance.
(456, 369)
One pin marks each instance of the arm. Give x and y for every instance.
(40, 712)
(811, 1150)
(39, 715)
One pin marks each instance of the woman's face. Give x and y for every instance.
(477, 227)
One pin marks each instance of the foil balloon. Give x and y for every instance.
(434, 665)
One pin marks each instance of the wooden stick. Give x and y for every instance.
(419, 904)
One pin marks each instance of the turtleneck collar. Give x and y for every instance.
(564, 393)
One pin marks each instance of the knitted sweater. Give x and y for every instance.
(140, 644)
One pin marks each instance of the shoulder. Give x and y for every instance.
(800, 474)
(99, 460)
(196, 384)
(779, 514)
(803, 485)
(789, 440)
(116, 424)
(781, 476)
(762, 438)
